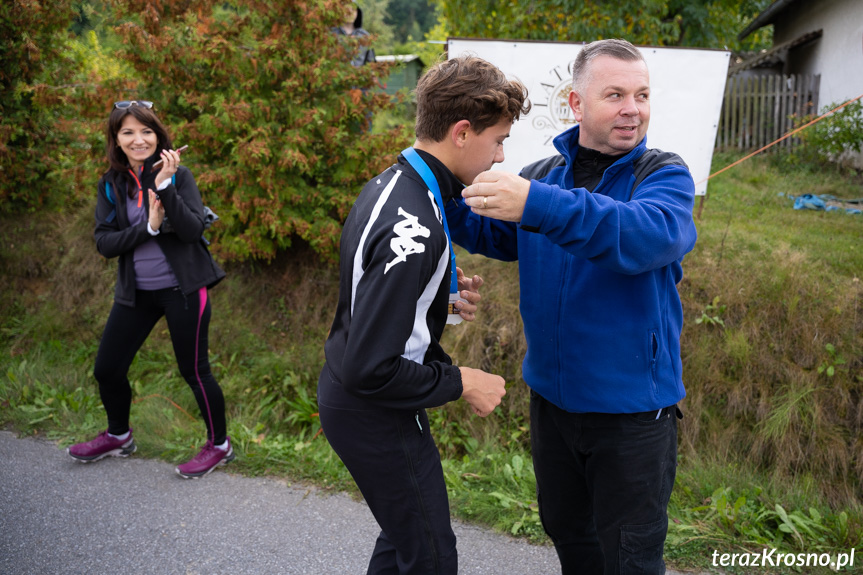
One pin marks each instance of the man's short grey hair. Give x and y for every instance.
(620, 49)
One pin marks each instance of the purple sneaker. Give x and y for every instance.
(103, 446)
(209, 458)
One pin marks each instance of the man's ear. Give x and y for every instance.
(459, 133)
(575, 106)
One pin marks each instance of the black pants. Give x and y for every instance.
(396, 464)
(188, 320)
(603, 485)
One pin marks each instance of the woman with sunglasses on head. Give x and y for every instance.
(152, 219)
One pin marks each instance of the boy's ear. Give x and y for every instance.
(459, 133)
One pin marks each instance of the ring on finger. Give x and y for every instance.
(484, 202)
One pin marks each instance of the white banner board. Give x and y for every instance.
(686, 91)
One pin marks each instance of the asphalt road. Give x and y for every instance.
(136, 516)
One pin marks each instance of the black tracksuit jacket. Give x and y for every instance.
(384, 344)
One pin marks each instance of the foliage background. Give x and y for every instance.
(276, 120)
(260, 89)
(695, 23)
(35, 122)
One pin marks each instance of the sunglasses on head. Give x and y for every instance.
(129, 103)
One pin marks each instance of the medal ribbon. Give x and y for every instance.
(418, 164)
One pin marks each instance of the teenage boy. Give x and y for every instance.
(384, 361)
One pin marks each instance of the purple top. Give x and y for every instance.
(152, 271)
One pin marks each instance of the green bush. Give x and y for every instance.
(836, 136)
(34, 139)
(276, 119)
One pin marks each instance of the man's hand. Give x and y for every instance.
(468, 291)
(481, 390)
(498, 195)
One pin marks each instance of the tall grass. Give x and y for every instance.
(772, 350)
(759, 387)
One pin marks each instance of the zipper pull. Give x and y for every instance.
(420, 425)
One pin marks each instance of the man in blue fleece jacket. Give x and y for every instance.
(600, 232)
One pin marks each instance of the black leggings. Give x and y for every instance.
(188, 318)
(395, 462)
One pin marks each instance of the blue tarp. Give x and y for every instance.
(822, 202)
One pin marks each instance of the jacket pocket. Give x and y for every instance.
(641, 548)
(653, 360)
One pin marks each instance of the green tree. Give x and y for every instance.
(702, 23)
(375, 23)
(34, 136)
(559, 20)
(275, 116)
(410, 19)
(716, 23)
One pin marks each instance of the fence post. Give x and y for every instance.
(761, 109)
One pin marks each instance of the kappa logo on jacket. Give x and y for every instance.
(404, 245)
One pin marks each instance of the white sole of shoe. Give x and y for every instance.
(230, 457)
(119, 452)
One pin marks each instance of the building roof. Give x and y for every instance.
(405, 58)
(775, 55)
(767, 17)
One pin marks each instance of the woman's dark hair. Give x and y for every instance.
(116, 156)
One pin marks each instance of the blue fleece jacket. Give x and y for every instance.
(598, 276)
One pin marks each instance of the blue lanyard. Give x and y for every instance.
(418, 164)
